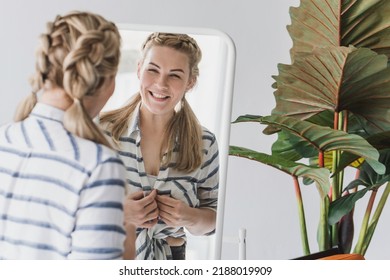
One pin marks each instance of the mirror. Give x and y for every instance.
(211, 101)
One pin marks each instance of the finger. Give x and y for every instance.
(165, 200)
(148, 220)
(167, 219)
(136, 195)
(152, 214)
(150, 198)
(140, 200)
(164, 208)
(153, 193)
(149, 223)
(149, 213)
(151, 207)
(165, 213)
(136, 212)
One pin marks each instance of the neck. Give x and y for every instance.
(156, 123)
(56, 97)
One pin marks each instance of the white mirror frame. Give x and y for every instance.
(223, 106)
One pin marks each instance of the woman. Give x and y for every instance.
(62, 186)
(171, 160)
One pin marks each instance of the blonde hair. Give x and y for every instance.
(183, 132)
(79, 52)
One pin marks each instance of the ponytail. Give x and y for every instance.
(117, 120)
(84, 127)
(184, 135)
(37, 80)
(25, 107)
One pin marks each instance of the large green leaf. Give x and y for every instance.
(322, 138)
(369, 179)
(321, 23)
(336, 79)
(292, 147)
(380, 141)
(319, 175)
(342, 206)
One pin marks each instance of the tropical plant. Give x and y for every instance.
(333, 109)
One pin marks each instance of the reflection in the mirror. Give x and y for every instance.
(210, 99)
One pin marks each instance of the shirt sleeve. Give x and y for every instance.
(99, 230)
(209, 181)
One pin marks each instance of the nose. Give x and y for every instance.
(162, 82)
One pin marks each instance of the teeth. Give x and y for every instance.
(159, 95)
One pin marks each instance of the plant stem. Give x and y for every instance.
(335, 195)
(345, 123)
(366, 218)
(323, 227)
(375, 218)
(302, 220)
(321, 160)
(337, 125)
(342, 126)
(336, 120)
(340, 123)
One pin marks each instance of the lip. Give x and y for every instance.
(158, 96)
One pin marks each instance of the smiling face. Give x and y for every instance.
(164, 75)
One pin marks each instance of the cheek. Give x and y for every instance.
(179, 86)
(112, 88)
(145, 79)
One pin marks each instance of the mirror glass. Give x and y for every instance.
(210, 99)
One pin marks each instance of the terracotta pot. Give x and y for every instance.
(344, 257)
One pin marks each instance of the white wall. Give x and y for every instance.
(258, 198)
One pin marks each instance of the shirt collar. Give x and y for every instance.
(134, 120)
(48, 112)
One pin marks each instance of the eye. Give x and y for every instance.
(152, 70)
(176, 76)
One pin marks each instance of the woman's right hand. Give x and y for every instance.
(141, 211)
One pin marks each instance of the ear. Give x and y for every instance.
(191, 83)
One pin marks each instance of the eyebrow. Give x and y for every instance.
(172, 70)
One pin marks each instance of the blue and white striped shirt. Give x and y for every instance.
(61, 196)
(198, 188)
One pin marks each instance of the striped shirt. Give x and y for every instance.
(61, 196)
(198, 188)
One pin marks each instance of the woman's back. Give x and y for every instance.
(60, 195)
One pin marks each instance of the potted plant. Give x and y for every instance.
(332, 114)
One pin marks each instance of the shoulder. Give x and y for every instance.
(7, 126)
(125, 125)
(4, 127)
(105, 126)
(208, 138)
(107, 153)
(93, 154)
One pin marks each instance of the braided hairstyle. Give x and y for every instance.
(79, 52)
(183, 132)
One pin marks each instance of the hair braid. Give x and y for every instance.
(42, 68)
(80, 51)
(94, 57)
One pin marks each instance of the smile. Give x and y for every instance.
(158, 96)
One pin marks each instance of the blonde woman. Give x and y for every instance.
(171, 160)
(62, 186)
